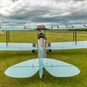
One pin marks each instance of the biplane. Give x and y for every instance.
(55, 67)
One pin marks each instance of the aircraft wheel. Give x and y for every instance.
(50, 50)
(33, 51)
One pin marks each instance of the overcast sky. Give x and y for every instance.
(21, 12)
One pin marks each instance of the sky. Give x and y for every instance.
(34, 12)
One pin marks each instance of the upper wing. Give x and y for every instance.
(67, 27)
(30, 27)
(49, 27)
(18, 46)
(67, 45)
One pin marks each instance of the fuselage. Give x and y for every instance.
(41, 52)
(41, 44)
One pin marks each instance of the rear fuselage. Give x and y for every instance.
(41, 53)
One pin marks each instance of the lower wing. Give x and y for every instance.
(18, 46)
(50, 46)
(66, 45)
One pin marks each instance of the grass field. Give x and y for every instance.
(77, 57)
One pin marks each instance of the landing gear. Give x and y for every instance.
(33, 51)
(50, 50)
(33, 45)
(49, 45)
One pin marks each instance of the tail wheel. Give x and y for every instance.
(43, 78)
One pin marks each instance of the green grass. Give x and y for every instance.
(75, 57)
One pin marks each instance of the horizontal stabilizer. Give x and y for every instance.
(60, 69)
(54, 67)
(24, 69)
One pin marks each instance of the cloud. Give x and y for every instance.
(20, 12)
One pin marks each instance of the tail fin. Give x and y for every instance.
(41, 54)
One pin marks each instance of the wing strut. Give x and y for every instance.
(75, 36)
(7, 37)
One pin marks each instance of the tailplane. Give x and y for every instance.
(59, 68)
(24, 69)
(54, 67)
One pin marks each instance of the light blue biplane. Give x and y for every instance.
(54, 67)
